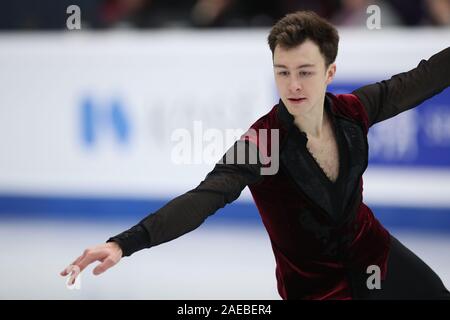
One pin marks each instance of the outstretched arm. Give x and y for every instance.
(184, 213)
(385, 99)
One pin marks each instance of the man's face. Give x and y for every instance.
(301, 77)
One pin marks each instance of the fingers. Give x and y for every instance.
(104, 253)
(89, 258)
(105, 265)
(82, 262)
(73, 269)
(75, 272)
(66, 271)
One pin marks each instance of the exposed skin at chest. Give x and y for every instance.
(325, 151)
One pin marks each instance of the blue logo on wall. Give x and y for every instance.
(98, 118)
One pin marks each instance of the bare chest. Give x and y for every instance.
(326, 155)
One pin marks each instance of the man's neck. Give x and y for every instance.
(312, 123)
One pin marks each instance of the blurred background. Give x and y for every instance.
(88, 117)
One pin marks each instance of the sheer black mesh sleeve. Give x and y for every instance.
(406, 90)
(188, 211)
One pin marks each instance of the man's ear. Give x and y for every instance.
(331, 72)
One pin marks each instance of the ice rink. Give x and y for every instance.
(213, 262)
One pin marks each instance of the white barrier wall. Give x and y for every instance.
(94, 113)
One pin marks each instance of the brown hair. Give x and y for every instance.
(295, 28)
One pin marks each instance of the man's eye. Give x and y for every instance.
(305, 73)
(283, 73)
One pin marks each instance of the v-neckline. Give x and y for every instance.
(338, 141)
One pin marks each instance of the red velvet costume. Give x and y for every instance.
(314, 252)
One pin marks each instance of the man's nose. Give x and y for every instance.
(294, 85)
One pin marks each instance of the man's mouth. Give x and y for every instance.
(296, 100)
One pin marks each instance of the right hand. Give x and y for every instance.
(108, 253)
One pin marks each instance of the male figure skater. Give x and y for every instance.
(323, 236)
